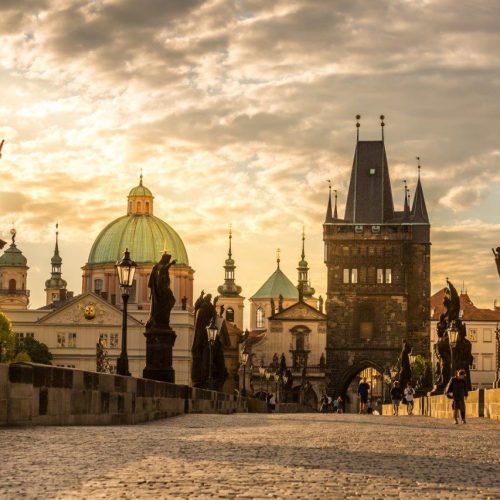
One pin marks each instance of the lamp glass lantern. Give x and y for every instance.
(126, 270)
(212, 331)
(244, 357)
(262, 371)
(394, 373)
(453, 334)
(413, 358)
(268, 375)
(276, 377)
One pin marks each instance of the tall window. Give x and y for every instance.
(487, 362)
(487, 335)
(346, 275)
(147, 207)
(260, 317)
(230, 314)
(388, 275)
(354, 275)
(12, 285)
(139, 207)
(98, 286)
(71, 339)
(133, 292)
(61, 340)
(380, 275)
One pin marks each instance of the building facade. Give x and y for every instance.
(481, 327)
(378, 265)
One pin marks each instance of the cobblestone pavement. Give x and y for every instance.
(255, 456)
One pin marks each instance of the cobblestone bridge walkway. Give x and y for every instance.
(255, 456)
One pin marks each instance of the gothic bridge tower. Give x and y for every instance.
(378, 264)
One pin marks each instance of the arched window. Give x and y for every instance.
(147, 207)
(139, 207)
(130, 207)
(230, 314)
(260, 317)
(299, 342)
(98, 286)
(12, 285)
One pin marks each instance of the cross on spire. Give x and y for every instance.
(278, 257)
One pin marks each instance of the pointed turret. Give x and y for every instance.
(419, 210)
(406, 210)
(55, 286)
(229, 288)
(335, 213)
(304, 286)
(329, 217)
(369, 199)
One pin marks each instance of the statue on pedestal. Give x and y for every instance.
(405, 373)
(160, 338)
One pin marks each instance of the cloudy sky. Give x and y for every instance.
(237, 112)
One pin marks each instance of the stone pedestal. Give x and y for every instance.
(159, 345)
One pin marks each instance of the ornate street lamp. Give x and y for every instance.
(453, 335)
(212, 335)
(412, 357)
(244, 359)
(126, 270)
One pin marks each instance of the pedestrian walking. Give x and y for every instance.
(335, 406)
(410, 398)
(396, 397)
(363, 390)
(340, 403)
(457, 390)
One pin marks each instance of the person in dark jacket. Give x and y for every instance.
(396, 397)
(457, 390)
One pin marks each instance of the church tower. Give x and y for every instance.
(378, 264)
(229, 292)
(13, 278)
(304, 285)
(55, 286)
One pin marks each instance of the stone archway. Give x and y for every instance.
(350, 379)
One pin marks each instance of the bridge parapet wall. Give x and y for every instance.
(32, 394)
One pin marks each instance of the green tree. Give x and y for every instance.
(7, 339)
(37, 351)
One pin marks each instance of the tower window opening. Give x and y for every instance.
(98, 286)
(346, 275)
(147, 207)
(230, 314)
(354, 275)
(12, 285)
(380, 275)
(139, 207)
(388, 275)
(260, 317)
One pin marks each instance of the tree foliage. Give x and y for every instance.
(7, 339)
(37, 351)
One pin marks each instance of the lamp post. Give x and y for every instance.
(285, 384)
(262, 373)
(212, 335)
(244, 359)
(126, 270)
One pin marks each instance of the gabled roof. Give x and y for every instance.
(277, 284)
(469, 311)
(299, 311)
(369, 199)
(73, 311)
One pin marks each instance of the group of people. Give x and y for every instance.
(327, 404)
(398, 395)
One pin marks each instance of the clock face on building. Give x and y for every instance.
(89, 312)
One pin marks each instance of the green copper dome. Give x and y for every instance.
(13, 257)
(277, 284)
(140, 190)
(143, 234)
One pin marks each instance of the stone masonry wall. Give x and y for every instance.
(32, 394)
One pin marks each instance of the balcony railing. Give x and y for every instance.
(8, 291)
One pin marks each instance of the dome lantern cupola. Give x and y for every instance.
(55, 283)
(140, 200)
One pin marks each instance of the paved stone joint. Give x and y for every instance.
(256, 455)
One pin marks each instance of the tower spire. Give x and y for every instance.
(329, 217)
(419, 210)
(358, 117)
(382, 125)
(229, 288)
(335, 215)
(304, 285)
(406, 205)
(55, 286)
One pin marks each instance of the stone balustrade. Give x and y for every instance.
(33, 394)
(479, 403)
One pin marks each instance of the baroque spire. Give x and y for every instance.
(229, 288)
(419, 210)
(329, 216)
(304, 285)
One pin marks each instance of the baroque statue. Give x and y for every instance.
(162, 297)
(405, 373)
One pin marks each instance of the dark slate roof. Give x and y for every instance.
(419, 210)
(369, 199)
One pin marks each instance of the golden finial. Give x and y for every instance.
(278, 257)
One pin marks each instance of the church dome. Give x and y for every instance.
(13, 257)
(144, 234)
